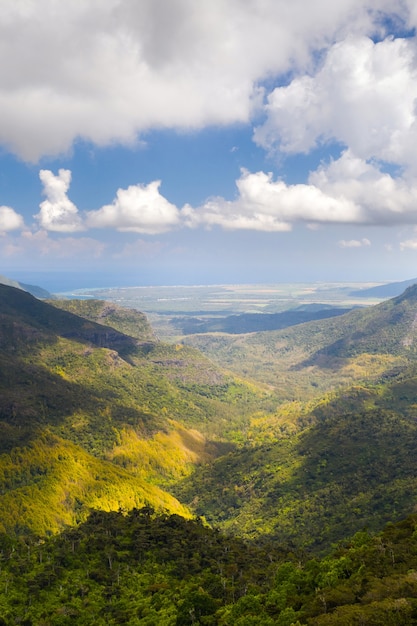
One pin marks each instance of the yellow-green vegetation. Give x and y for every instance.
(321, 446)
(166, 455)
(51, 483)
(294, 363)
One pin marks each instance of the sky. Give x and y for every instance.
(158, 142)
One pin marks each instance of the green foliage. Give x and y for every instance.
(92, 418)
(144, 568)
(127, 321)
(312, 358)
(136, 568)
(354, 466)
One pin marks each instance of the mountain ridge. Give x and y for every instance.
(34, 290)
(387, 290)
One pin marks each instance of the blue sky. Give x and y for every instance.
(181, 142)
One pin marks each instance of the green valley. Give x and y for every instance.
(222, 478)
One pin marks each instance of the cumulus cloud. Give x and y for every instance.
(409, 244)
(363, 97)
(57, 212)
(354, 243)
(383, 198)
(348, 190)
(107, 70)
(267, 205)
(9, 219)
(140, 209)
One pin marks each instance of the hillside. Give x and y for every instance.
(127, 321)
(350, 465)
(301, 362)
(327, 450)
(323, 466)
(388, 290)
(133, 412)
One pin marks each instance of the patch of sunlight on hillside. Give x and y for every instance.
(169, 454)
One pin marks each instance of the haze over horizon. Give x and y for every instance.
(173, 142)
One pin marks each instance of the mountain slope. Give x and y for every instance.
(128, 321)
(389, 290)
(352, 465)
(255, 322)
(300, 362)
(136, 410)
(319, 470)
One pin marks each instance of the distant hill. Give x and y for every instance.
(256, 322)
(389, 290)
(36, 291)
(128, 321)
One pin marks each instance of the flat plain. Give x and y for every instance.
(162, 304)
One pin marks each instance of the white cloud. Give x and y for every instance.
(57, 212)
(105, 70)
(409, 244)
(268, 205)
(9, 219)
(363, 97)
(346, 191)
(383, 199)
(140, 209)
(354, 243)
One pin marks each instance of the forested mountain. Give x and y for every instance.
(93, 418)
(310, 441)
(324, 465)
(301, 361)
(350, 465)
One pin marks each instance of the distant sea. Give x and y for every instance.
(63, 282)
